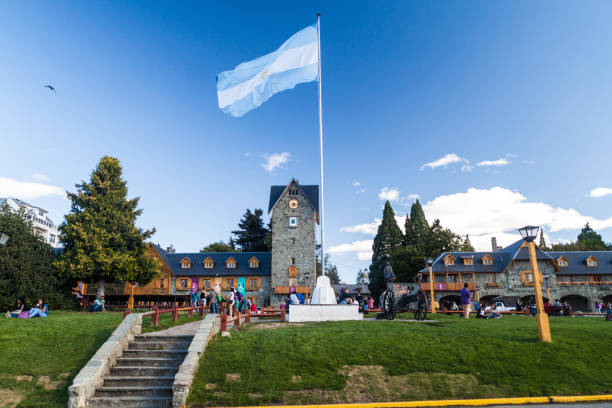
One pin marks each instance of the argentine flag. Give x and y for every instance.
(252, 83)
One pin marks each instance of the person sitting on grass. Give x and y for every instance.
(494, 313)
(18, 309)
(41, 310)
(97, 305)
(481, 314)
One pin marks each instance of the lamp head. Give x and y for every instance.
(429, 261)
(4, 237)
(529, 232)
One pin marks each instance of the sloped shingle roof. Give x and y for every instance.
(310, 191)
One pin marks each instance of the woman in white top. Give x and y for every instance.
(230, 302)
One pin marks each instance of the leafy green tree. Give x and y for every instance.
(362, 277)
(170, 249)
(332, 274)
(219, 247)
(588, 240)
(406, 261)
(330, 269)
(467, 245)
(388, 238)
(26, 266)
(101, 240)
(252, 234)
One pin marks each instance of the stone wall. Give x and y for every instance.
(303, 246)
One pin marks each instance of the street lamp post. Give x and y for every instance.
(547, 287)
(529, 234)
(4, 237)
(430, 262)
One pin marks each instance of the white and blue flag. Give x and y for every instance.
(252, 83)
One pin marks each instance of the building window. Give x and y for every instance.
(591, 261)
(253, 284)
(230, 263)
(184, 283)
(162, 283)
(229, 283)
(292, 261)
(52, 238)
(527, 277)
(292, 241)
(209, 263)
(487, 260)
(491, 279)
(254, 263)
(185, 263)
(449, 260)
(596, 279)
(468, 261)
(206, 283)
(562, 261)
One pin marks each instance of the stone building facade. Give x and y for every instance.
(267, 276)
(580, 278)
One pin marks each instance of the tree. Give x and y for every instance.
(362, 277)
(417, 227)
(26, 266)
(387, 239)
(170, 249)
(101, 240)
(251, 235)
(332, 274)
(588, 240)
(219, 247)
(542, 244)
(467, 245)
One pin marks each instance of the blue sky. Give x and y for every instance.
(513, 96)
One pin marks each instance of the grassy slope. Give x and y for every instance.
(51, 351)
(448, 358)
(165, 321)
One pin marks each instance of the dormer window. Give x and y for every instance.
(209, 263)
(487, 260)
(468, 261)
(253, 263)
(230, 263)
(449, 260)
(591, 261)
(185, 263)
(562, 261)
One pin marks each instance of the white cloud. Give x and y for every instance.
(600, 192)
(466, 168)
(387, 193)
(445, 161)
(363, 249)
(26, 190)
(498, 162)
(40, 177)
(275, 160)
(367, 228)
(358, 188)
(497, 211)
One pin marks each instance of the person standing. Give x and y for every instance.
(230, 302)
(214, 302)
(465, 300)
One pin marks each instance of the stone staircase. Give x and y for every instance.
(143, 376)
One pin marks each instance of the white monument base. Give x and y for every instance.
(323, 313)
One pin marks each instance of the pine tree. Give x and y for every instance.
(252, 235)
(101, 240)
(467, 245)
(388, 238)
(26, 266)
(542, 244)
(417, 227)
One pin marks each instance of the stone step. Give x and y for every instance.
(148, 362)
(138, 381)
(162, 391)
(130, 402)
(138, 371)
(175, 354)
(158, 345)
(164, 339)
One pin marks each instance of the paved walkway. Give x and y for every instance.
(187, 329)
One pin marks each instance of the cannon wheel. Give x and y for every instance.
(388, 306)
(421, 310)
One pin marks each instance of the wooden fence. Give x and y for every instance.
(174, 311)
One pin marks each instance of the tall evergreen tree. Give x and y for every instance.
(588, 240)
(101, 240)
(467, 245)
(26, 266)
(542, 244)
(252, 234)
(388, 238)
(417, 227)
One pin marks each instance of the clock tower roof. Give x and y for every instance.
(311, 192)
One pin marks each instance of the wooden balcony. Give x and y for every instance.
(443, 286)
(284, 290)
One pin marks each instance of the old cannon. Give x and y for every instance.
(401, 297)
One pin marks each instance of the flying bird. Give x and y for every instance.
(50, 88)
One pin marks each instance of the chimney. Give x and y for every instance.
(494, 243)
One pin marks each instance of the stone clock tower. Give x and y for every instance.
(295, 214)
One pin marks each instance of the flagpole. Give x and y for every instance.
(321, 148)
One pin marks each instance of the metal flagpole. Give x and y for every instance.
(321, 147)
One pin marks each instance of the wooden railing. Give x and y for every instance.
(174, 311)
(246, 316)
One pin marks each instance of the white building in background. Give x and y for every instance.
(41, 223)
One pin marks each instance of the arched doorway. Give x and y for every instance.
(577, 302)
(447, 301)
(607, 299)
(488, 300)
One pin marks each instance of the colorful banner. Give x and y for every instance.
(195, 285)
(242, 285)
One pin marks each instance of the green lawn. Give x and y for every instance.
(165, 321)
(40, 357)
(394, 361)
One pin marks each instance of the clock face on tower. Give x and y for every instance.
(293, 204)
